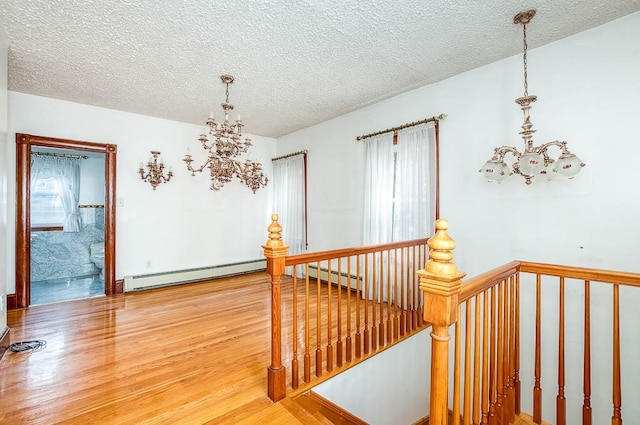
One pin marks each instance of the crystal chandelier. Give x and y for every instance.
(224, 148)
(535, 160)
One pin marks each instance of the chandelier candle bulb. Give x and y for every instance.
(534, 160)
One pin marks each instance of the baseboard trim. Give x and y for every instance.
(120, 286)
(314, 403)
(425, 420)
(11, 302)
(5, 341)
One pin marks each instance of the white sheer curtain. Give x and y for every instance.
(378, 191)
(66, 174)
(289, 203)
(399, 192)
(414, 214)
(399, 188)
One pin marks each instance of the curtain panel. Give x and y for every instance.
(289, 202)
(66, 175)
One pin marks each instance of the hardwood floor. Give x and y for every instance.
(189, 354)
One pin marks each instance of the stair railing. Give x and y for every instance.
(488, 312)
(331, 310)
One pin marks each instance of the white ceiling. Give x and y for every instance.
(296, 63)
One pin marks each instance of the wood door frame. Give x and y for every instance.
(24, 142)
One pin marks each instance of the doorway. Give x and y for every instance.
(24, 145)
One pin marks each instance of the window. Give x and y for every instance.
(46, 204)
(400, 197)
(400, 185)
(55, 189)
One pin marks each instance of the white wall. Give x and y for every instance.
(4, 178)
(359, 394)
(588, 90)
(180, 225)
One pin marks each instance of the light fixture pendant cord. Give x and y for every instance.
(524, 59)
(227, 93)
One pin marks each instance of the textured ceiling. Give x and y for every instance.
(296, 63)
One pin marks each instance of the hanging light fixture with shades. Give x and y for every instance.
(535, 160)
(224, 148)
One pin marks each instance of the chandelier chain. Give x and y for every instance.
(524, 59)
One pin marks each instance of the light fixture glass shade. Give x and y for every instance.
(549, 172)
(495, 170)
(531, 163)
(568, 165)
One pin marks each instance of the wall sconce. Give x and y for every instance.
(155, 175)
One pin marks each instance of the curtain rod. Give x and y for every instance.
(60, 155)
(400, 127)
(290, 155)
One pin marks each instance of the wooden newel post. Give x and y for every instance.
(276, 252)
(440, 282)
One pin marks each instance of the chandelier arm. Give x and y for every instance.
(197, 170)
(543, 150)
(238, 168)
(561, 144)
(499, 153)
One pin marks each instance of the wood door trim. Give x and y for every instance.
(23, 209)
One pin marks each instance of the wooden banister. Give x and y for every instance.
(480, 283)
(581, 273)
(313, 257)
(275, 252)
(348, 304)
(440, 282)
(334, 309)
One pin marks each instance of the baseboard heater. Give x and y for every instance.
(155, 280)
(323, 274)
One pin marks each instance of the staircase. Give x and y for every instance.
(310, 408)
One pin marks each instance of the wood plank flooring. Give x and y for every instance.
(188, 354)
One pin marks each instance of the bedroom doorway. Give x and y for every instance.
(67, 225)
(25, 143)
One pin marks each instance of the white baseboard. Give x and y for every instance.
(147, 281)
